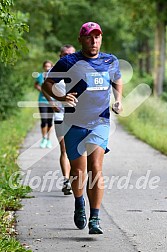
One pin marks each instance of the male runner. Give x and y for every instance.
(89, 75)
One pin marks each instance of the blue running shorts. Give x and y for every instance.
(77, 138)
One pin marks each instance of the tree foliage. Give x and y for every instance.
(13, 25)
(129, 28)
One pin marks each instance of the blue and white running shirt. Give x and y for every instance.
(91, 79)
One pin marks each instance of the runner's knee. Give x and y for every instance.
(43, 123)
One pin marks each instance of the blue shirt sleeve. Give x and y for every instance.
(57, 69)
(114, 70)
(40, 79)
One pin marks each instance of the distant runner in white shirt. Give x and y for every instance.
(58, 119)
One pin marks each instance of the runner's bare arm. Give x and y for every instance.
(37, 86)
(48, 87)
(117, 91)
(51, 102)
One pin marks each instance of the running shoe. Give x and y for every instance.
(94, 227)
(66, 187)
(49, 144)
(80, 218)
(43, 143)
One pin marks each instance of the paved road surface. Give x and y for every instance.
(134, 208)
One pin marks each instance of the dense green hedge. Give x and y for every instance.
(15, 81)
(12, 87)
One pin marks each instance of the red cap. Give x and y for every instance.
(89, 27)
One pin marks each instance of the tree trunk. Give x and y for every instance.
(159, 62)
(147, 59)
(141, 60)
(144, 56)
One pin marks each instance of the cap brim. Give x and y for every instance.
(95, 30)
(87, 33)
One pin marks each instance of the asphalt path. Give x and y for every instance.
(134, 208)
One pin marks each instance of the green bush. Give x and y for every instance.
(12, 87)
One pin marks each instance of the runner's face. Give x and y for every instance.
(67, 51)
(47, 67)
(91, 44)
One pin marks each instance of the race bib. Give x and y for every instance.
(97, 81)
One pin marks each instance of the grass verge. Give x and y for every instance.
(12, 133)
(149, 123)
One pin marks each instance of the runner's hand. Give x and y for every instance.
(54, 107)
(117, 107)
(70, 100)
